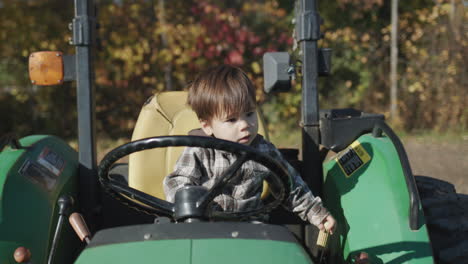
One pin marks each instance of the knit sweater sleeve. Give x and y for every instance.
(301, 200)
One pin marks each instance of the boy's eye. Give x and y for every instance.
(249, 114)
(231, 120)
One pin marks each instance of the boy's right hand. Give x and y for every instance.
(328, 224)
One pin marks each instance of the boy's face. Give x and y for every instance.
(241, 128)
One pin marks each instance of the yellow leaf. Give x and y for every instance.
(415, 87)
(365, 37)
(256, 67)
(452, 69)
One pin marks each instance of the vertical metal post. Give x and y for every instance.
(394, 63)
(84, 39)
(308, 33)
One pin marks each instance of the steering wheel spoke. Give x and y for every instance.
(159, 206)
(278, 179)
(227, 176)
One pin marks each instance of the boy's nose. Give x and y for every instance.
(244, 124)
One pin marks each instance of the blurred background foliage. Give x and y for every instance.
(147, 46)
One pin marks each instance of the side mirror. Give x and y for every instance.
(277, 72)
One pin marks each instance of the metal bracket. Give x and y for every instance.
(81, 27)
(69, 68)
(311, 124)
(308, 26)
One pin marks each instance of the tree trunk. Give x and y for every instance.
(394, 62)
(165, 43)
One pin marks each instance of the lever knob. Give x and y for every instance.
(79, 225)
(22, 255)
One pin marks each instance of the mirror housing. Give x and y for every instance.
(277, 72)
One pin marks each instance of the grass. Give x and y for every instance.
(284, 137)
(103, 145)
(451, 137)
(291, 138)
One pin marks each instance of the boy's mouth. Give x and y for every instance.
(244, 140)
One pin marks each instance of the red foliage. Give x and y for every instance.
(227, 40)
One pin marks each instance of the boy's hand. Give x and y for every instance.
(328, 224)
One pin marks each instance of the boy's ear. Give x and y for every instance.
(206, 127)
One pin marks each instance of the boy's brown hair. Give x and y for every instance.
(221, 90)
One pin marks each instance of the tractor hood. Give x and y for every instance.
(195, 243)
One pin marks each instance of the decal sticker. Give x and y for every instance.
(52, 161)
(38, 174)
(352, 158)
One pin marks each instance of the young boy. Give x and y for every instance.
(224, 100)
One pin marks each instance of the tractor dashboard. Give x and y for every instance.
(199, 230)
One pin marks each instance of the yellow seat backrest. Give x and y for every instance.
(165, 114)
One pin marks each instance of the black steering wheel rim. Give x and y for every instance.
(152, 205)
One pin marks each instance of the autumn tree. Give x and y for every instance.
(148, 46)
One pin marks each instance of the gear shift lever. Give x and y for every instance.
(79, 225)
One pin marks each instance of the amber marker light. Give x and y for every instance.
(46, 68)
(22, 255)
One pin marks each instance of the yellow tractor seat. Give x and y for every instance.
(165, 114)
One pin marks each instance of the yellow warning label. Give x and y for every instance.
(352, 158)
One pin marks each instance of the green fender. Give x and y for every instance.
(31, 180)
(367, 193)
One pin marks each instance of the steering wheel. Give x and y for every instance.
(192, 201)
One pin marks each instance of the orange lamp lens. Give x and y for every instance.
(46, 68)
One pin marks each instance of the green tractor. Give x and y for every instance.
(384, 214)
